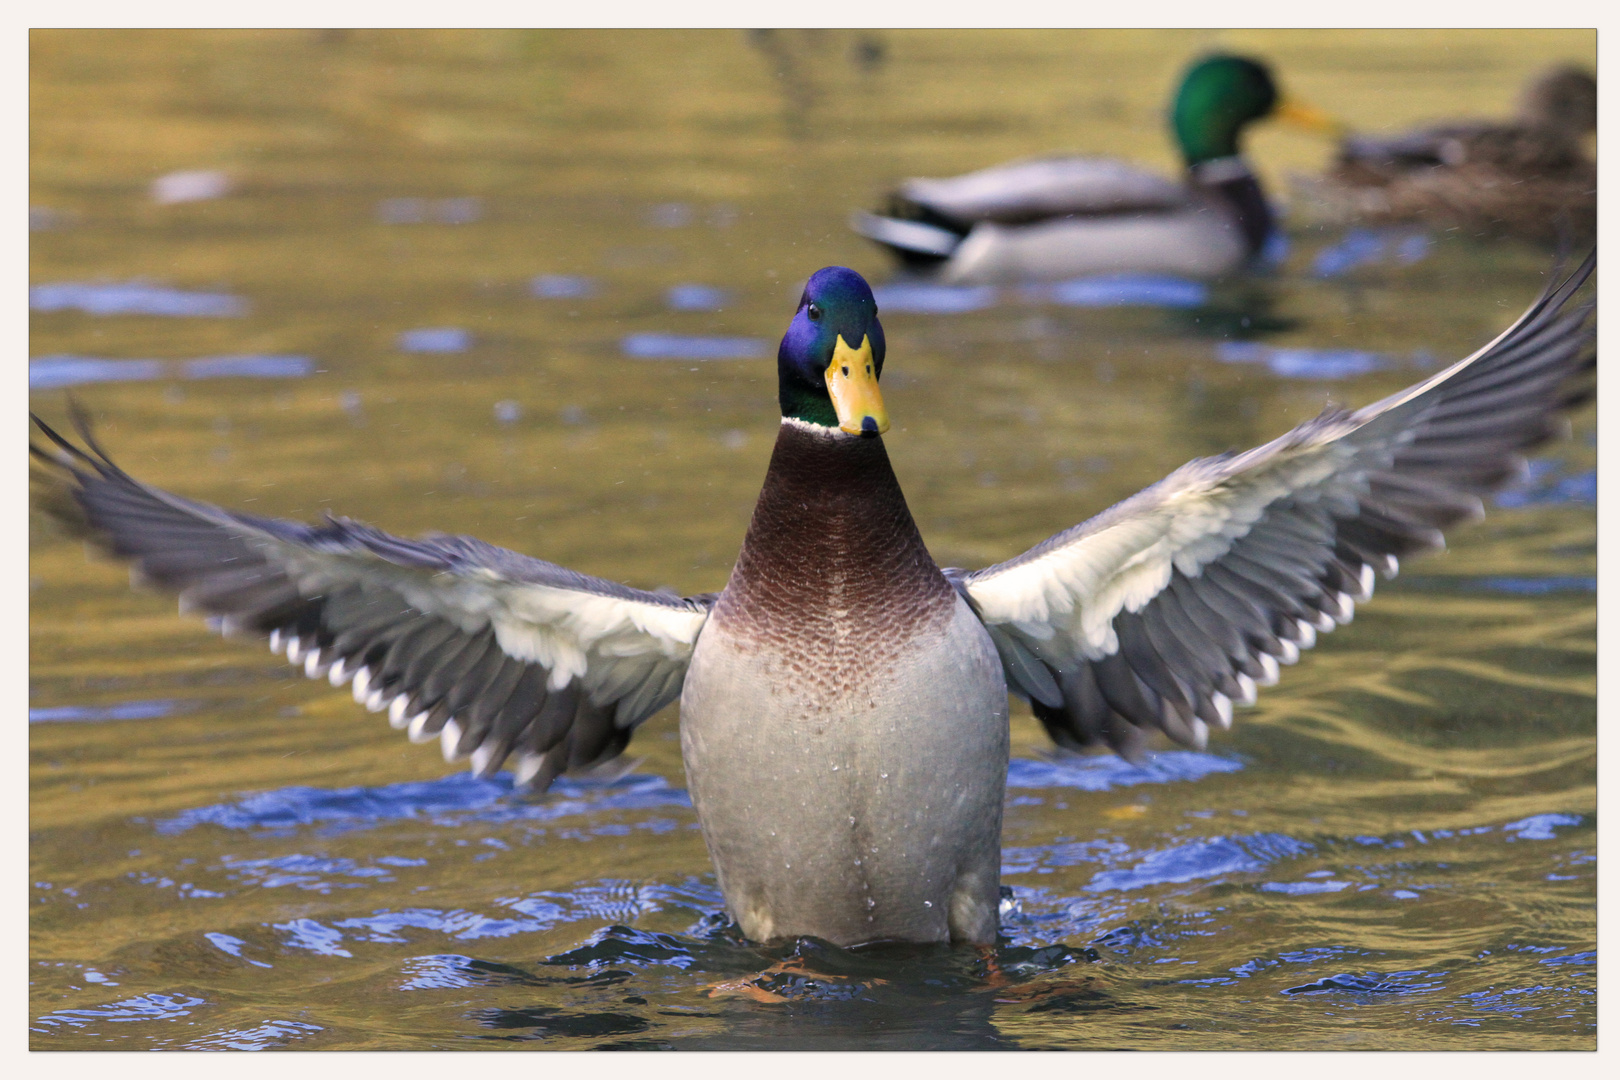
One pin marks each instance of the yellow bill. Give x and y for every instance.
(852, 384)
(1300, 115)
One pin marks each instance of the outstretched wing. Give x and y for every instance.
(1164, 610)
(494, 653)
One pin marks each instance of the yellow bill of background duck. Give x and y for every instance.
(1299, 114)
(852, 384)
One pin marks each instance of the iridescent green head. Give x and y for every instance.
(832, 355)
(1220, 95)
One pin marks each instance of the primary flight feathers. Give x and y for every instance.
(1172, 605)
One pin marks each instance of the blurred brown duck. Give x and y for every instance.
(1530, 177)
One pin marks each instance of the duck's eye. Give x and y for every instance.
(814, 311)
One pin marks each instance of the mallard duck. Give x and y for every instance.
(1530, 177)
(1059, 217)
(844, 700)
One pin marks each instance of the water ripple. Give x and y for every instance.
(1202, 859)
(263, 1036)
(144, 1007)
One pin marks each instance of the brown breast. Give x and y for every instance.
(833, 575)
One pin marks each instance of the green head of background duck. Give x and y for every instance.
(1219, 97)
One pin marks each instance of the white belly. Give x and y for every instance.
(1197, 242)
(856, 807)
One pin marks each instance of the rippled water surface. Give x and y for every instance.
(527, 285)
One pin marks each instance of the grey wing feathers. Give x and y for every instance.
(1166, 610)
(495, 654)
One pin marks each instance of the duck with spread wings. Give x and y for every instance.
(844, 700)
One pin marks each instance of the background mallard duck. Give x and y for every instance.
(1530, 177)
(1067, 216)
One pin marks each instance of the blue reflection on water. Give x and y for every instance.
(51, 372)
(1101, 773)
(607, 900)
(696, 298)
(1304, 888)
(1537, 586)
(451, 800)
(311, 935)
(923, 298)
(125, 710)
(1540, 827)
(312, 873)
(562, 287)
(133, 298)
(1373, 982)
(248, 367)
(232, 946)
(55, 372)
(435, 339)
(1201, 859)
(1546, 484)
(1363, 247)
(263, 1036)
(144, 1007)
(1574, 958)
(690, 347)
(1123, 290)
(1299, 363)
